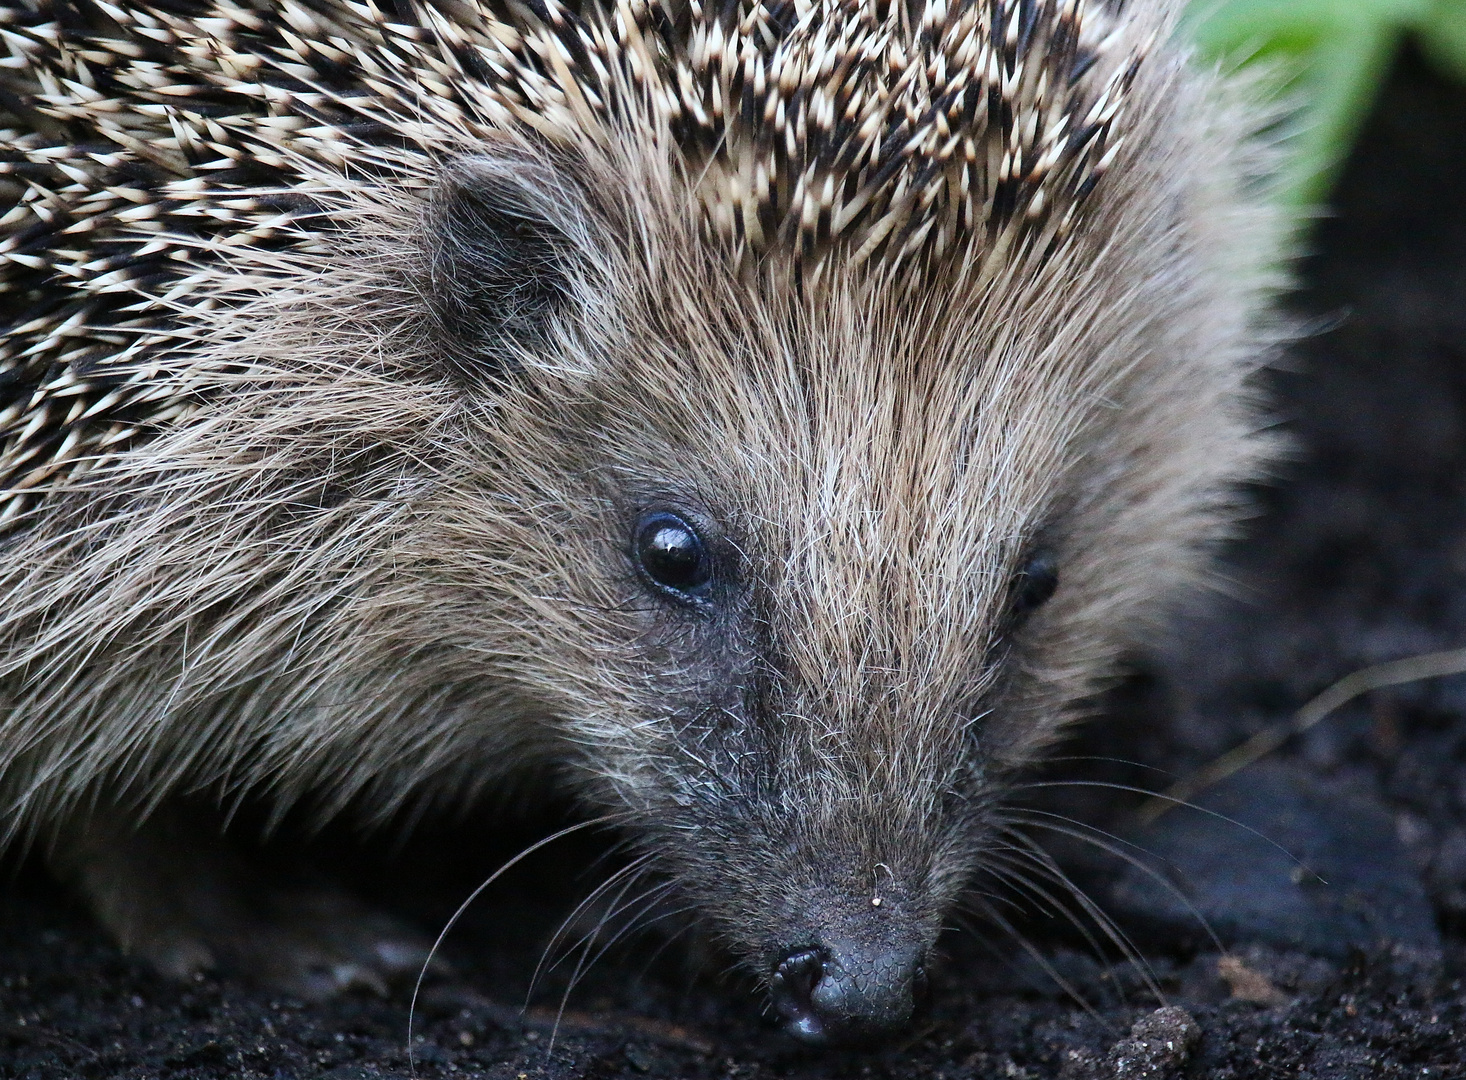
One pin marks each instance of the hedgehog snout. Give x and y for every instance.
(848, 991)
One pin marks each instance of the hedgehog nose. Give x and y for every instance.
(847, 994)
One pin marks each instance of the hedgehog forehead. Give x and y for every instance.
(843, 455)
(846, 414)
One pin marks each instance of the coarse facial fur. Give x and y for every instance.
(376, 547)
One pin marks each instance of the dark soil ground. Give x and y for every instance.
(1358, 555)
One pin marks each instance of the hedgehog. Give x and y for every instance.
(769, 423)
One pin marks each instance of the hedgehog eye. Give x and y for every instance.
(1035, 583)
(671, 555)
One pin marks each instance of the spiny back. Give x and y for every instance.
(146, 144)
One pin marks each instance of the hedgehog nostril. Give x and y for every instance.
(847, 992)
(793, 984)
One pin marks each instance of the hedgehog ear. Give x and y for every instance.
(509, 244)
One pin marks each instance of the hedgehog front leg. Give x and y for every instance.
(182, 898)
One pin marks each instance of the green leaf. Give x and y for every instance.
(1442, 32)
(1333, 55)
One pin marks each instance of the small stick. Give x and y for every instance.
(1376, 677)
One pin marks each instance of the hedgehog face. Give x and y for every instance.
(814, 570)
(834, 791)
(809, 702)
